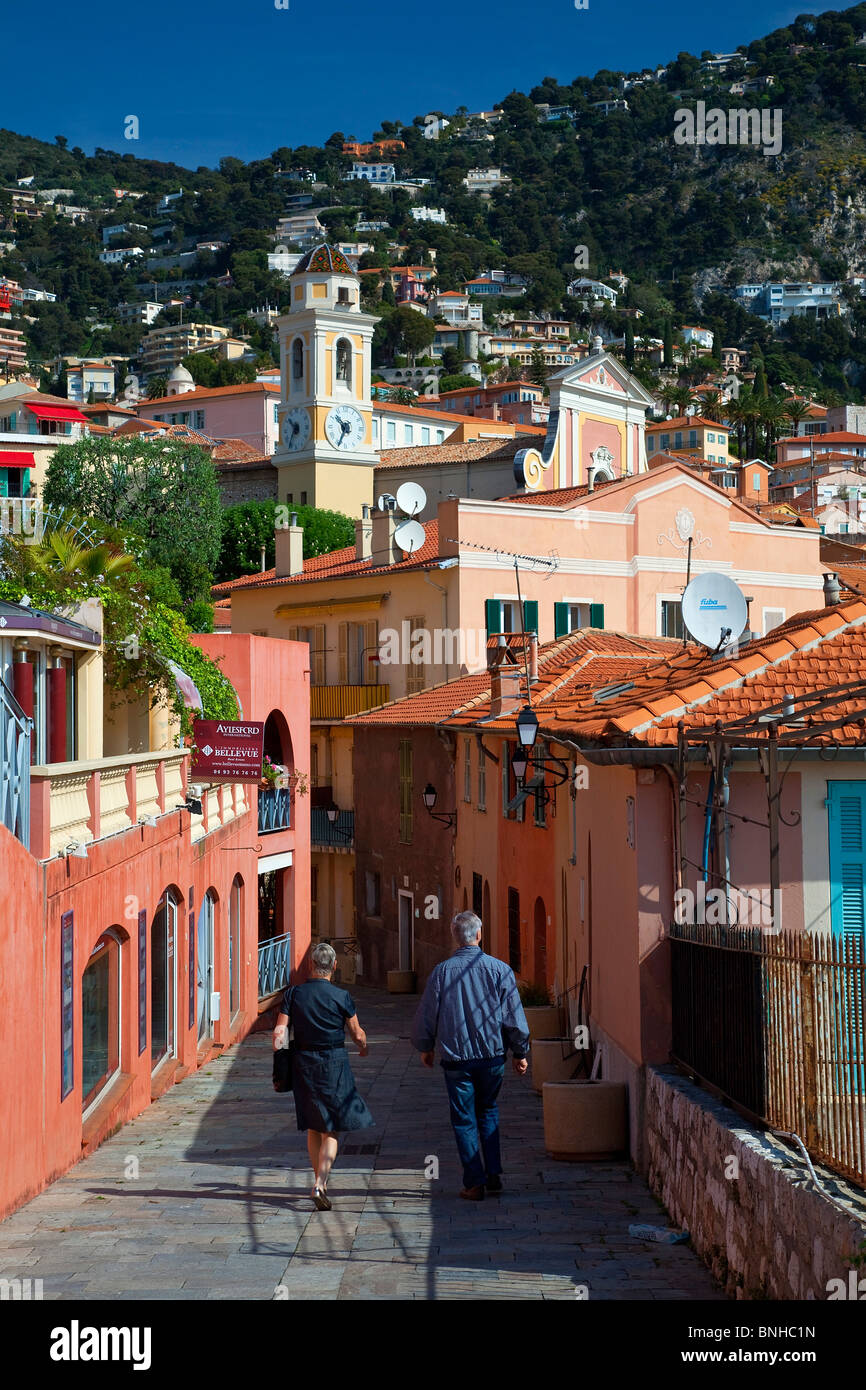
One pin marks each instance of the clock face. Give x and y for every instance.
(296, 428)
(344, 427)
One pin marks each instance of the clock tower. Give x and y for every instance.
(325, 455)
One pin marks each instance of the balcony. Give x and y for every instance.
(275, 809)
(340, 835)
(341, 701)
(81, 802)
(275, 964)
(15, 729)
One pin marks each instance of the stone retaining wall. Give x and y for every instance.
(766, 1233)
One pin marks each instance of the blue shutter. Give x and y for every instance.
(560, 619)
(530, 615)
(847, 808)
(596, 615)
(492, 615)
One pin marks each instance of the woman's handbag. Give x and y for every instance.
(283, 1059)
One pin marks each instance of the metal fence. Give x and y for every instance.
(341, 833)
(15, 735)
(275, 964)
(776, 1024)
(275, 809)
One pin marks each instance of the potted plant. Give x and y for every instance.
(543, 1017)
(271, 773)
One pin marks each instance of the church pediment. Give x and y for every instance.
(604, 374)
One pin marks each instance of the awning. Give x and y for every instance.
(55, 412)
(15, 458)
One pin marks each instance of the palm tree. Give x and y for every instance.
(681, 397)
(796, 411)
(667, 396)
(772, 414)
(711, 408)
(61, 552)
(156, 388)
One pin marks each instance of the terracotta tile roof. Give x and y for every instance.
(681, 422)
(466, 700)
(237, 453)
(832, 437)
(808, 653)
(201, 393)
(495, 450)
(339, 564)
(386, 407)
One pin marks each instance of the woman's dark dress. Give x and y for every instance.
(322, 1083)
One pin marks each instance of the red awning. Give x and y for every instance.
(55, 412)
(15, 459)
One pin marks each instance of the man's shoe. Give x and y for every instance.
(494, 1185)
(473, 1194)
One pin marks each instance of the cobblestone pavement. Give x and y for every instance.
(220, 1206)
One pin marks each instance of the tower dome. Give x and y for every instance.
(180, 381)
(323, 259)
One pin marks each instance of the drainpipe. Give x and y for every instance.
(444, 592)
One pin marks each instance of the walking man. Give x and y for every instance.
(472, 1009)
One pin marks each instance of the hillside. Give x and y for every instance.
(676, 218)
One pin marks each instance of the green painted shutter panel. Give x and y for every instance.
(492, 616)
(596, 615)
(847, 804)
(530, 615)
(560, 619)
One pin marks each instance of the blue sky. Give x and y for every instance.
(241, 77)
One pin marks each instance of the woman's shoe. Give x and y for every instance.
(321, 1199)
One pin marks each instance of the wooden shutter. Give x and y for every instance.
(416, 674)
(530, 615)
(319, 654)
(847, 807)
(405, 791)
(292, 634)
(371, 647)
(492, 615)
(596, 615)
(560, 620)
(343, 654)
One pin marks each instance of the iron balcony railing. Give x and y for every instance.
(275, 964)
(341, 833)
(776, 1024)
(275, 810)
(15, 734)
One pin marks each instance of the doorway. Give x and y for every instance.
(163, 1007)
(406, 908)
(204, 966)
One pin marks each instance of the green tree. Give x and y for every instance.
(157, 387)
(537, 368)
(250, 525)
(668, 345)
(760, 384)
(629, 343)
(164, 491)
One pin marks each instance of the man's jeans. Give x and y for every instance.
(472, 1092)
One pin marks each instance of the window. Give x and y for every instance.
(298, 360)
(756, 482)
(514, 929)
(358, 642)
(711, 438)
(846, 804)
(163, 950)
(344, 362)
(571, 617)
(650, 443)
(408, 434)
(100, 1019)
(406, 816)
(425, 434)
(467, 769)
(440, 436)
(482, 778)
(315, 639)
(235, 919)
(390, 432)
(375, 429)
(198, 423)
(372, 894)
(540, 815)
(416, 671)
(672, 618)
(477, 894)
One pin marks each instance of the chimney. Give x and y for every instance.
(364, 535)
(384, 551)
(505, 697)
(832, 592)
(289, 547)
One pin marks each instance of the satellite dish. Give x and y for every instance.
(409, 536)
(386, 503)
(714, 610)
(411, 498)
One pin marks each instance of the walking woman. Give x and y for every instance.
(326, 1100)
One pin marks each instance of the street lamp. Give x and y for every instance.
(332, 812)
(527, 727)
(428, 796)
(557, 769)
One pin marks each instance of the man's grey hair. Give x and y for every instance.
(465, 928)
(324, 957)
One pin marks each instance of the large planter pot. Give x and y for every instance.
(401, 981)
(544, 1021)
(548, 1061)
(585, 1119)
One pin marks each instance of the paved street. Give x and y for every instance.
(206, 1196)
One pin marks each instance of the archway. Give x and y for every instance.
(278, 740)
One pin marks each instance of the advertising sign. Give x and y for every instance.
(227, 751)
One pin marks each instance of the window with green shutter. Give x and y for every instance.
(492, 611)
(596, 615)
(846, 805)
(530, 615)
(560, 620)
